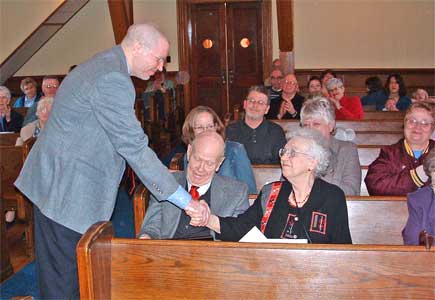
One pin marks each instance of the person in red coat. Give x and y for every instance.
(346, 108)
(398, 170)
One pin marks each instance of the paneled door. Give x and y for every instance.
(226, 52)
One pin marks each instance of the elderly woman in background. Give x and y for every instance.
(420, 95)
(346, 108)
(33, 129)
(344, 168)
(10, 120)
(302, 206)
(395, 95)
(236, 164)
(421, 207)
(398, 170)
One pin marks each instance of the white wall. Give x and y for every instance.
(328, 33)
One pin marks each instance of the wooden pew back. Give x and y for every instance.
(375, 125)
(268, 173)
(113, 268)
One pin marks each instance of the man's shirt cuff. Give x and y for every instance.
(180, 198)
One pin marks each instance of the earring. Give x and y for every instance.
(309, 170)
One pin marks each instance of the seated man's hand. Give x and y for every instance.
(144, 236)
(199, 212)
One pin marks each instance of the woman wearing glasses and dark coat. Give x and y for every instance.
(398, 170)
(302, 206)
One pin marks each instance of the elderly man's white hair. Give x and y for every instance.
(147, 35)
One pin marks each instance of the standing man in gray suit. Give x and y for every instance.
(225, 196)
(73, 172)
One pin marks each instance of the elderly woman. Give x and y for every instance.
(33, 129)
(236, 164)
(398, 170)
(10, 120)
(395, 95)
(303, 206)
(346, 108)
(344, 168)
(421, 207)
(420, 95)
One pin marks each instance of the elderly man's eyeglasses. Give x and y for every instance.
(414, 123)
(158, 58)
(50, 86)
(258, 102)
(289, 82)
(290, 152)
(204, 128)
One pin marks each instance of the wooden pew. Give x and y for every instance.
(384, 115)
(11, 161)
(372, 219)
(115, 268)
(361, 125)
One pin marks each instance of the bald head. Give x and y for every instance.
(146, 49)
(209, 140)
(205, 155)
(147, 35)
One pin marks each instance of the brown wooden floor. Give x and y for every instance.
(16, 244)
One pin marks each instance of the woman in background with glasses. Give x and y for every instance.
(236, 164)
(398, 170)
(302, 206)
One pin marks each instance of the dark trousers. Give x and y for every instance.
(56, 260)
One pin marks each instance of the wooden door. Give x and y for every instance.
(244, 49)
(226, 53)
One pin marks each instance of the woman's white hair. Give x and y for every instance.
(318, 108)
(43, 103)
(317, 146)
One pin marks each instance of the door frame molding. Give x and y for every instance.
(184, 28)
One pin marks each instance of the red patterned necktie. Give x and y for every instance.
(194, 192)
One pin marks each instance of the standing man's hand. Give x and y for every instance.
(199, 212)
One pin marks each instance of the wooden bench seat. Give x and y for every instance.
(115, 268)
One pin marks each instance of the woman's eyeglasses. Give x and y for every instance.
(290, 152)
(204, 128)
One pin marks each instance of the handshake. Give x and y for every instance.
(199, 212)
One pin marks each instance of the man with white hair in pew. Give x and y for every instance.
(224, 195)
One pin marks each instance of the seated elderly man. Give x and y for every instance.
(225, 196)
(10, 120)
(290, 104)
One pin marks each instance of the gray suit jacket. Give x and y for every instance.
(74, 169)
(229, 197)
(344, 169)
